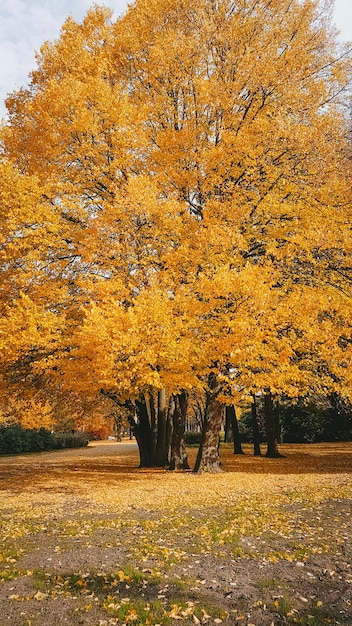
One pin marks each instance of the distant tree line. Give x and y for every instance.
(306, 421)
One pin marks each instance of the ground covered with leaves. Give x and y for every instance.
(88, 539)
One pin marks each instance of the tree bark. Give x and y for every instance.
(229, 436)
(142, 433)
(278, 429)
(231, 416)
(178, 456)
(162, 449)
(208, 458)
(255, 427)
(118, 427)
(150, 404)
(270, 426)
(169, 425)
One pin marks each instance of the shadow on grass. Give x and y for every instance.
(117, 462)
(323, 458)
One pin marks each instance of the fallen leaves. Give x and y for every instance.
(39, 596)
(167, 526)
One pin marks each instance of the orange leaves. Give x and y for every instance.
(184, 203)
(31, 412)
(131, 349)
(24, 325)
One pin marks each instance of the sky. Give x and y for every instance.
(26, 24)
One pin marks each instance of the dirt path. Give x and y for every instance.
(108, 451)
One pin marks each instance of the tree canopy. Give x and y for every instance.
(177, 206)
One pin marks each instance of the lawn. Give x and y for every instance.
(89, 539)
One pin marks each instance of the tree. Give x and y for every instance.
(270, 426)
(232, 101)
(196, 163)
(255, 427)
(208, 453)
(231, 418)
(178, 454)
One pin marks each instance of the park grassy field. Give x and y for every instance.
(89, 539)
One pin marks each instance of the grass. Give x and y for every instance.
(86, 535)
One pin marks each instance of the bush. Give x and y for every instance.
(11, 440)
(71, 440)
(16, 440)
(40, 440)
(302, 423)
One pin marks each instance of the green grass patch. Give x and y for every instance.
(98, 584)
(268, 583)
(319, 617)
(9, 574)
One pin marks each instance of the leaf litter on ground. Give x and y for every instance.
(266, 540)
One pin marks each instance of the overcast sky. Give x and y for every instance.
(26, 24)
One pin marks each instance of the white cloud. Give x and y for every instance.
(24, 26)
(343, 18)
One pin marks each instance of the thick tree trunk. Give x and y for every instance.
(162, 449)
(178, 456)
(142, 433)
(231, 416)
(208, 458)
(255, 427)
(272, 449)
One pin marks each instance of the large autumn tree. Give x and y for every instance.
(195, 156)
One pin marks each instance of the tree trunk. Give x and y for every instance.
(138, 419)
(162, 449)
(178, 456)
(150, 404)
(169, 425)
(118, 427)
(231, 416)
(208, 458)
(229, 437)
(278, 429)
(255, 427)
(142, 433)
(270, 426)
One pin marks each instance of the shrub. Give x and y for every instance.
(71, 440)
(16, 440)
(11, 439)
(40, 440)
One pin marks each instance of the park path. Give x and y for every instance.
(102, 455)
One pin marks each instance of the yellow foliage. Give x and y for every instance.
(176, 200)
(31, 413)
